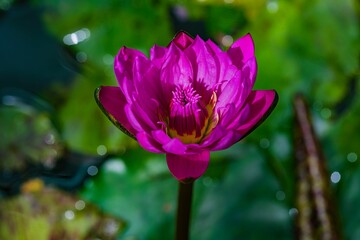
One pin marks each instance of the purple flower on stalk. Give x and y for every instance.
(187, 99)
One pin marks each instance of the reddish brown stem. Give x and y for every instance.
(317, 218)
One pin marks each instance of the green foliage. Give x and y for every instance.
(244, 198)
(32, 138)
(38, 215)
(84, 127)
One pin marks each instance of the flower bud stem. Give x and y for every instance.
(184, 210)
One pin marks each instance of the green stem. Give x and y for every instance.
(184, 210)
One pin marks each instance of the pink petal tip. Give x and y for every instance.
(182, 40)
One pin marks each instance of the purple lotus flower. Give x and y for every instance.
(187, 100)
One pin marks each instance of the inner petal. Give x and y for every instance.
(190, 119)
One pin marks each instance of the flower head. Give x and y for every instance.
(187, 99)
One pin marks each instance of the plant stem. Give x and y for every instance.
(184, 210)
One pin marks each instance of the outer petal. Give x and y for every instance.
(175, 146)
(176, 71)
(216, 135)
(139, 80)
(157, 54)
(160, 136)
(135, 121)
(234, 91)
(129, 64)
(216, 49)
(258, 107)
(112, 102)
(148, 143)
(140, 119)
(228, 140)
(225, 69)
(147, 96)
(239, 116)
(241, 50)
(261, 103)
(188, 166)
(182, 40)
(220, 138)
(203, 62)
(249, 71)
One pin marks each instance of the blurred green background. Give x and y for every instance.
(53, 54)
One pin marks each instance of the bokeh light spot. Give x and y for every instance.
(76, 37)
(207, 181)
(293, 212)
(108, 59)
(101, 150)
(325, 113)
(115, 165)
(81, 57)
(352, 157)
(280, 195)
(69, 215)
(80, 205)
(92, 170)
(264, 143)
(335, 177)
(272, 7)
(227, 40)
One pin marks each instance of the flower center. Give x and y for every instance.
(190, 119)
(184, 96)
